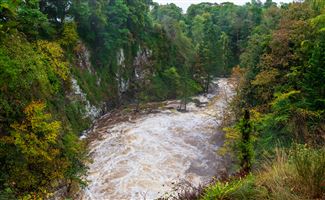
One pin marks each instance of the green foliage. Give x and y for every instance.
(158, 88)
(74, 151)
(234, 189)
(7, 193)
(240, 140)
(19, 59)
(172, 80)
(158, 54)
(197, 29)
(37, 161)
(69, 36)
(188, 88)
(283, 88)
(246, 152)
(56, 11)
(34, 136)
(74, 113)
(169, 10)
(316, 4)
(281, 83)
(88, 82)
(7, 10)
(103, 26)
(52, 55)
(31, 20)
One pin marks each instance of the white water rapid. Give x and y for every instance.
(141, 159)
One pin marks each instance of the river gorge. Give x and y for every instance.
(144, 157)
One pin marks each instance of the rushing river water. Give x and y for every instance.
(143, 158)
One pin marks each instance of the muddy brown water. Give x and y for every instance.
(143, 158)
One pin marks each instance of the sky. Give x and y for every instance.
(184, 4)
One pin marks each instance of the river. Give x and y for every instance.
(144, 157)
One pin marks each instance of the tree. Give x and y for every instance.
(56, 11)
(7, 12)
(70, 36)
(26, 17)
(269, 3)
(256, 9)
(316, 4)
(246, 146)
(138, 18)
(35, 158)
(36, 161)
(187, 88)
(169, 10)
(197, 29)
(225, 51)
(210, 51)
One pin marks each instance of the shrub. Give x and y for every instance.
(235, 189)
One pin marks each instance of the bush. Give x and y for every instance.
(235, 189)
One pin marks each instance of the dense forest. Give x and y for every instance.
(64, 63)
(277, 136)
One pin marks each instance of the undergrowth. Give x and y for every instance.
(298, 173)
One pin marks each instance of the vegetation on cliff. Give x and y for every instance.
(61, 61)
(283, 90)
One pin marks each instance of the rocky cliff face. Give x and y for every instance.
(142, 63)
(76, 94)
(130, 71)
(122, 79)
(89, 111)
(83, 57)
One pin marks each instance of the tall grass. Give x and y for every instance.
(309, 164)
(295, 174)
(278, 178)
(298, 174)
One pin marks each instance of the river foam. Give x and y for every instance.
(143, 159)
